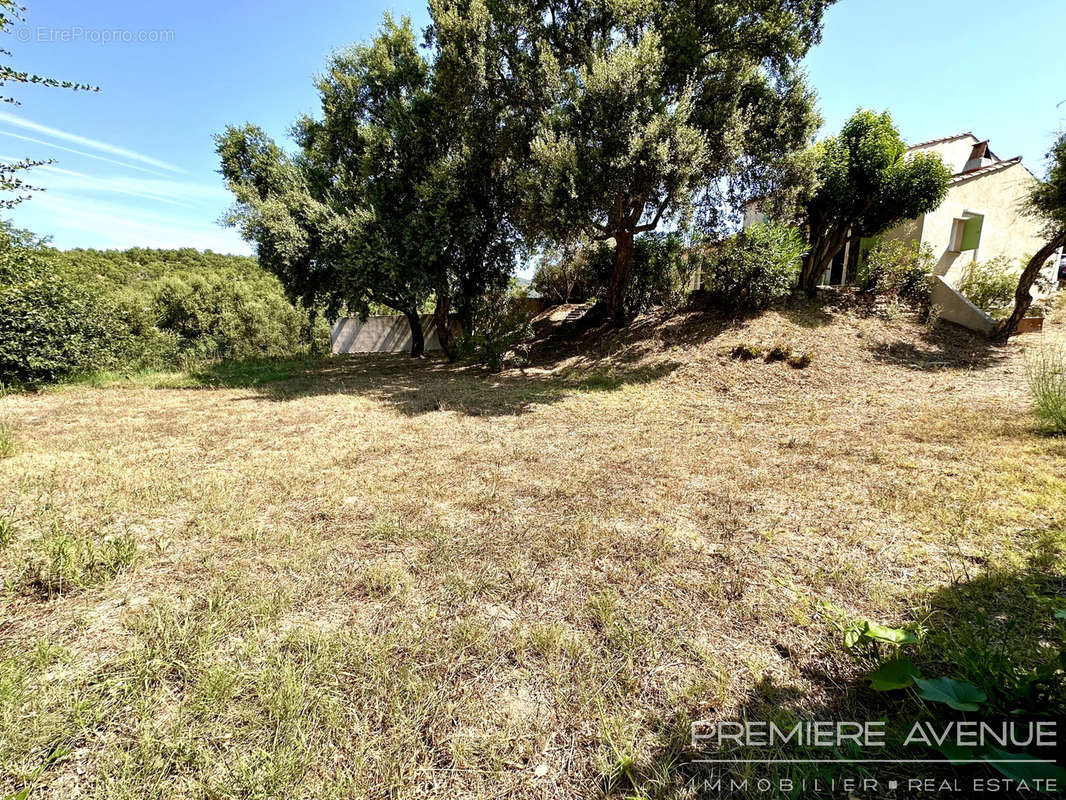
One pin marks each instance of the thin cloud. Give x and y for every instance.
(93, 144)
(81, 153)
(108, 185)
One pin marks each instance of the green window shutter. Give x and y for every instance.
(971, 233)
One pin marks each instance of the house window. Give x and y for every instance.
(966, 233)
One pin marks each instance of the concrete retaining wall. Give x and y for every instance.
(381, 333)
(956, 308)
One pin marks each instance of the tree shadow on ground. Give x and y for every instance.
(994, 629)
(417, 386)
(942, 345)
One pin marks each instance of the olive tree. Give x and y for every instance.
(642, 113)
(394, 197)
(865, 184)
(1046, 202)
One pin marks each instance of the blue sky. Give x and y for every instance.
(136, 164)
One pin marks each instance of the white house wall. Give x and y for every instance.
(1006, 230)
(954, 154)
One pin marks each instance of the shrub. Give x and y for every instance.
(990, 285)
(755, 267)
(1047, 385)
(500, 331)
(214, 317)
(898, 269)
(49, 327)
(661, 271)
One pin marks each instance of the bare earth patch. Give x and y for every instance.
(396, 578)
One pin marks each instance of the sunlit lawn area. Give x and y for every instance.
(372, 576)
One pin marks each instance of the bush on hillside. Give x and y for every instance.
(755, 267)
(49, 327)
(214, 318)
(897, 269)
(661, 271)
(990, 285)
(500, 330)
(76, 311)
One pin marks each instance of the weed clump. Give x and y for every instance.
(7, 532)
(66, 561)
(779, 352)
(1047, 385)
(746, 352)
(800, 360)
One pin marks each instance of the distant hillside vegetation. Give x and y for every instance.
(77, 311)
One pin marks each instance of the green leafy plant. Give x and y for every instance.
(501, 332)
(1047, 385)
(754, 268)
(897, 269)
(899, 673)
(990, 285)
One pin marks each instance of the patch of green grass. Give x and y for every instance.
(7, 439)
(386, 580)
(64, 560)
(7, 532)
(1047, 385)
(227, 374)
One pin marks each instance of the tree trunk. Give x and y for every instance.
(620, 273)
(418, 339)
(1022, 299)
(440, 322)
(818, 257)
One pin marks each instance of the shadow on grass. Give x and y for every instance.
(256, 371)
(944, 345)
(416, 387)
(996, 630)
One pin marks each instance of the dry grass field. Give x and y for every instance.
(384, 578)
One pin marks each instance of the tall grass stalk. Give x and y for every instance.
(1047, 384)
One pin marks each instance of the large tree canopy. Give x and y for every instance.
(395, 197)
(866, 185)
(1046, 202)
(635, 113)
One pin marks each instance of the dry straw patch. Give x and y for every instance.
(385, 576)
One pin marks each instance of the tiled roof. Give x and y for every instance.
(941, 140)
(980, 171)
